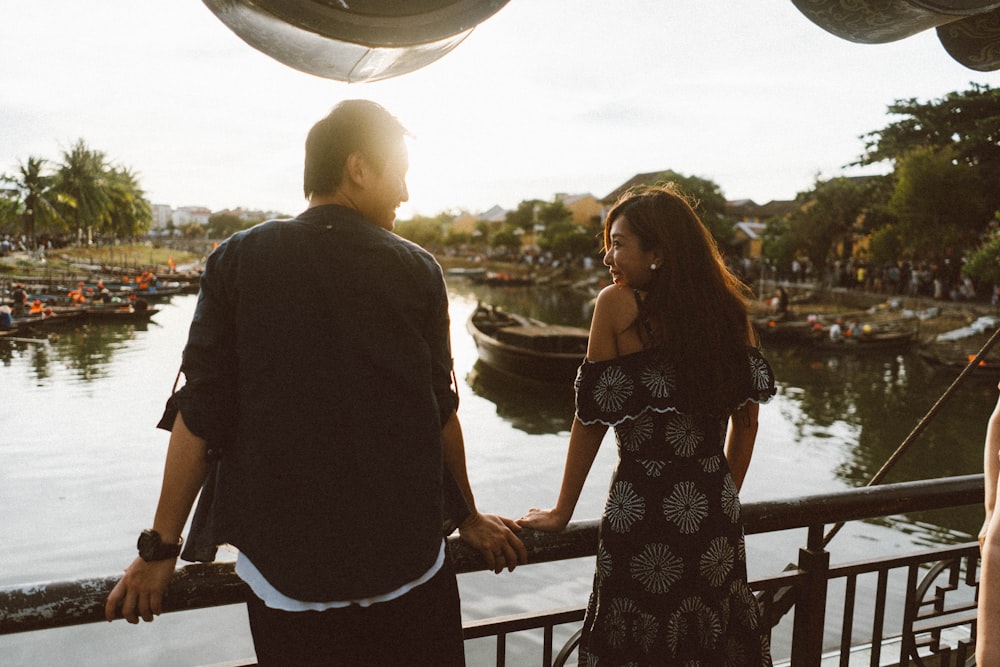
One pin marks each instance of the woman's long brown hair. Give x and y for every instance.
(695, 307)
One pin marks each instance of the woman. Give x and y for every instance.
(670, 363)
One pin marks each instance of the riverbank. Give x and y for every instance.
(932, 317)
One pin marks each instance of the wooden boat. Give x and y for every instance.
(114, 311)
(47, 321)
(877, 341)
(987, 369)
(500, 279)
(779, 329)
(118, 313)
(526, 347)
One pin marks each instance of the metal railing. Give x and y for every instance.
(937, 586)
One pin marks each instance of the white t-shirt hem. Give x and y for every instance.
(275, 599)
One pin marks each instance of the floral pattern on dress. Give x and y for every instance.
(717, 561)
(653, 468)
(625, 507)
(711, 464)
(683, 434)
(686, 506)
(603, 568)
(731, 499)
(656, 568)
(670, 582)
(660, 380)
(693, 623)
(613, 389)
(634, 432)
(626, 622)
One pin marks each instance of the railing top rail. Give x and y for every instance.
(863, 503)
(47, 605)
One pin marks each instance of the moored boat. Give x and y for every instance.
(876, 341)
(526, 347)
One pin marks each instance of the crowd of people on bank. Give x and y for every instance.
(943, 281)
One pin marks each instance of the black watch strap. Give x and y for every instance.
(151, 546)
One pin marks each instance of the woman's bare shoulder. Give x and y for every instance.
(618, 300)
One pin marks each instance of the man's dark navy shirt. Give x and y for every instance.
(319, 364)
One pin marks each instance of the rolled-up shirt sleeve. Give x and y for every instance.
(208, 398)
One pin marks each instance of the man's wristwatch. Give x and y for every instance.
(152, 548)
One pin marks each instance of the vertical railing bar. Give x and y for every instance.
(547, 646)
(910, 612)
(501, 649)
(878, 620)
(847, 631)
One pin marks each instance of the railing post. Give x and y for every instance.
(810, 605)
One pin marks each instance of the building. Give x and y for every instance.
(162, 216)
(187, 215)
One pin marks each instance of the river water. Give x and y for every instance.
(80, 465)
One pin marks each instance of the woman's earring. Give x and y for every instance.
(652, 267)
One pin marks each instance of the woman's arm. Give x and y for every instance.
(584, 442)
(740, 441)
(991, 467)
(987, 636)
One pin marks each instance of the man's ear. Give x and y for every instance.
(356, 168)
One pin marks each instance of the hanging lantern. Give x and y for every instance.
(354, 40)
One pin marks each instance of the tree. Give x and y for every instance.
(938, 202)
(32, 197)
(558, 230)
(525, 215)
(224, 224)
(422, 230)
(81, 178)
(984, 263)
(129, 213)
(827, 216)
(967, 122)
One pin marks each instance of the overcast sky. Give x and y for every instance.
(546, 96)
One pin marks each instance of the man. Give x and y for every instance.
(333, 423)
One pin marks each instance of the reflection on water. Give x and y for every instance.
(872, 404)
(533, 407)
(87, 351)
(554, 306)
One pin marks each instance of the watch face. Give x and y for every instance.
(152, 548)
(148, 542)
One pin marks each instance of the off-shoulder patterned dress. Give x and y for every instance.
(670, 585)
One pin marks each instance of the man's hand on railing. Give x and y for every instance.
(139, 593)
(495, 538)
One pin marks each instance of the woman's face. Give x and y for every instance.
(628, 262)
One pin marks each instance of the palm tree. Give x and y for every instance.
(83, 178)
(129, 212)
(34, 196)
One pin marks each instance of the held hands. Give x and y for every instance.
(494, 537)
(140, 591)
(548, 521)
